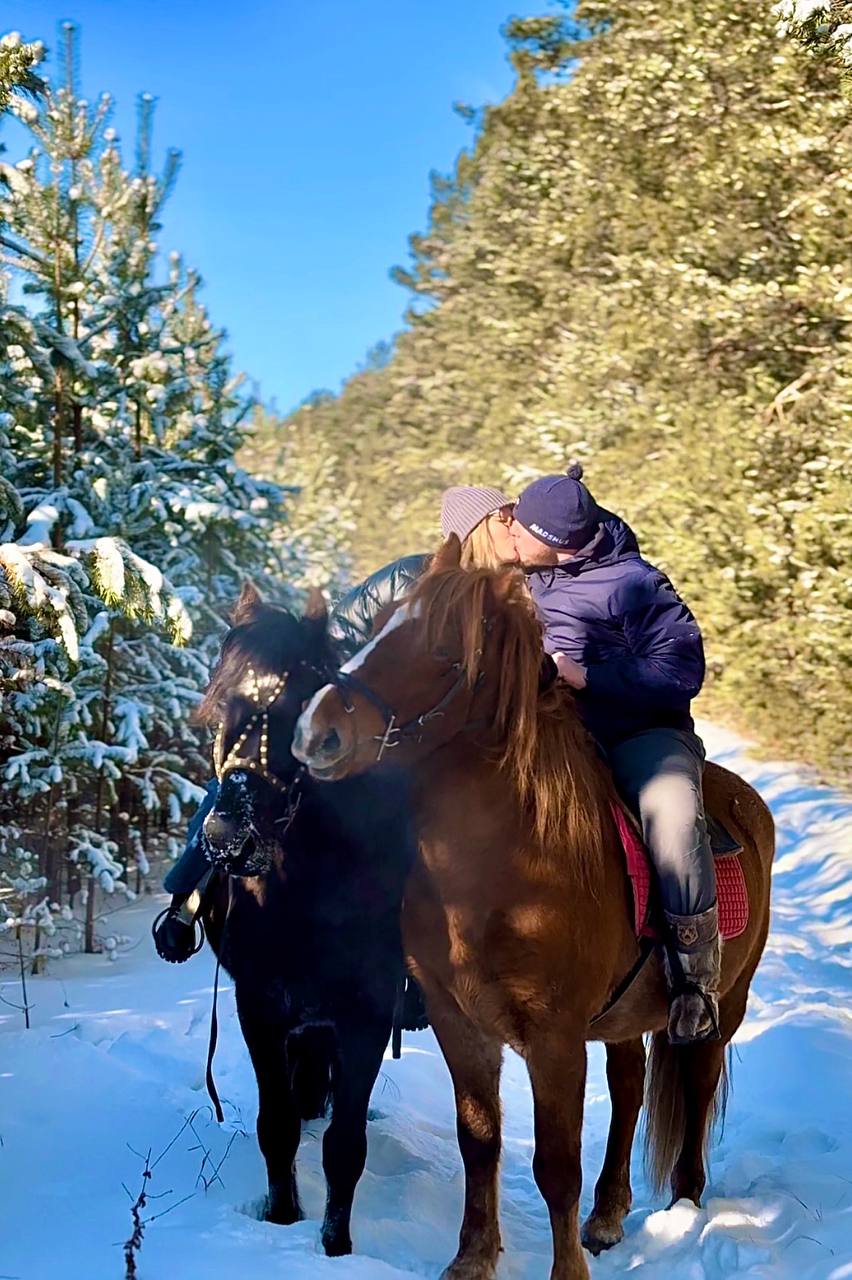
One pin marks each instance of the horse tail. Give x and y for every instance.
(666, 1114)
(311, 1062)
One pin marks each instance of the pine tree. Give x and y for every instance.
(824, 26)
(129, 524)
(642, 260)
(314, 544)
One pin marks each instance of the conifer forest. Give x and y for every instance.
(641, 261)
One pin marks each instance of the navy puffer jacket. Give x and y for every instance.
(622, 619)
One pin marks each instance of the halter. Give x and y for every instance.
(395, 734)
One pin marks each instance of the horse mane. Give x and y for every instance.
(266, 640)
(542, 744)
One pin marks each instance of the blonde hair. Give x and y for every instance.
(478, 550)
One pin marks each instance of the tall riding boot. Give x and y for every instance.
(174, 929)
(693, 957)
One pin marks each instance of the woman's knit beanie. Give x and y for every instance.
(463, 507)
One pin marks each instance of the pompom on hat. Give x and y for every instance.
(559, 510)
(463, 507)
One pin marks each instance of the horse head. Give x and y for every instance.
(270, 665)
(461, 652)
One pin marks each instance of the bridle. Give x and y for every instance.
(413, 730)
(291, 789)
(224, 764)
(235, 760)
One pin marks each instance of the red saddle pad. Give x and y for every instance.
(730, 884)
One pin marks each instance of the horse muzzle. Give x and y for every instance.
(229, 830)
(319, 743)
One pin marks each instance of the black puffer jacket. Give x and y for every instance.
(352, 618)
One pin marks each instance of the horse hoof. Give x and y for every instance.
(598, 1235)
(470, 1269)
(336, 1246)
(282, 1215)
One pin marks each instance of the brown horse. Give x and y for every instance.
(517, 914)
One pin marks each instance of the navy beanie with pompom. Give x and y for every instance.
(559, 510)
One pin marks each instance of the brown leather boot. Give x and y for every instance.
(693, 961)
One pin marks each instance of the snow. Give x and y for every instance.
(114, 1064)
(800, 11)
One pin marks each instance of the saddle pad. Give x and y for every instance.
(730, 881)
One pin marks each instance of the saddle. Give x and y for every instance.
(730, 880)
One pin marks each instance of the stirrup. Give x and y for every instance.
(686, 987)
(171, 947)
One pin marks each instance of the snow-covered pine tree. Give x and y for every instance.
(128, 523)
(824, 26)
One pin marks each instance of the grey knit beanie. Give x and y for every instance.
(464, 506)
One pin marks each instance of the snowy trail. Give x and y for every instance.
(116, 1057)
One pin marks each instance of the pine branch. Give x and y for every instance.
(23, 251)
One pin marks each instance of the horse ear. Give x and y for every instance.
(247, 605)
(448, 556)
(316, 610)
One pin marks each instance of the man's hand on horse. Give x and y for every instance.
(570, 671)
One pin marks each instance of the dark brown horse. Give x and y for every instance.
(517, 919)
(309, 879)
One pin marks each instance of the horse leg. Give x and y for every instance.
(557, 1069)
(702, 1067)
(279, 1127)
(344, 1148)
(474, 1061)
(625, 1073)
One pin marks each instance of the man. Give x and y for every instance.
(629, 646)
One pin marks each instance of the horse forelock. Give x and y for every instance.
(271, 642)
(451, 605)
(543, 746)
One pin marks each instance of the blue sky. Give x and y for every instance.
(308, 133)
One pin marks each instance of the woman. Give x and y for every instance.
(482, 520)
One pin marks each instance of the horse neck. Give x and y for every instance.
(465, 798)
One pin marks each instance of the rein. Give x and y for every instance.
(230, 763)
(212, 1091)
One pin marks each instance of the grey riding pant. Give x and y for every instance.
(658, 773)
